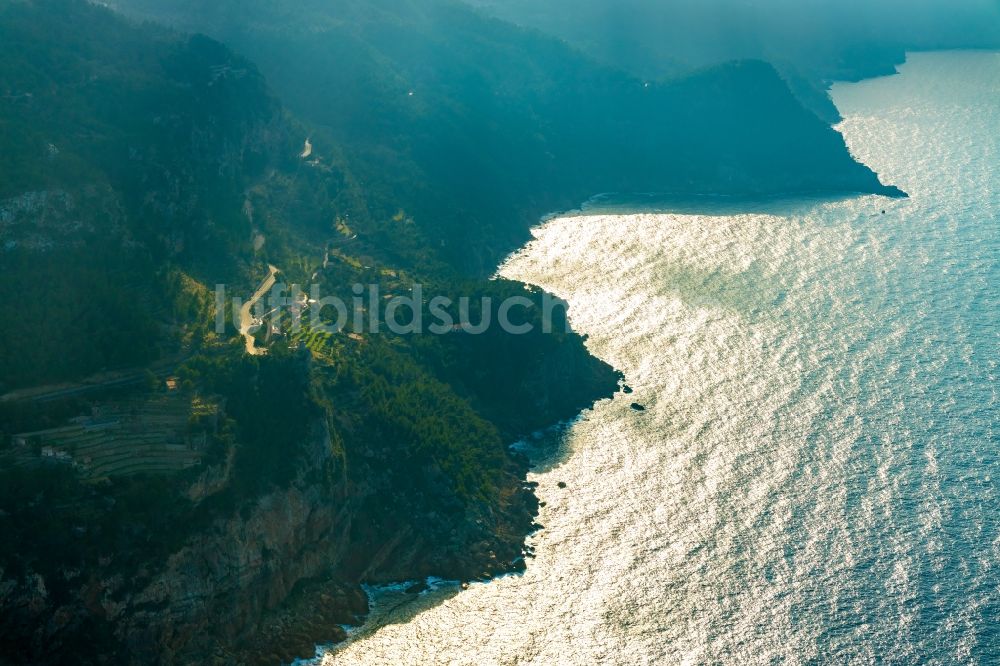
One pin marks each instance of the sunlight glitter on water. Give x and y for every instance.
(814, 476)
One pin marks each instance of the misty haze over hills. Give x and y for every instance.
(810, 41)
(499, 119)
(168, 496)
(829, 37)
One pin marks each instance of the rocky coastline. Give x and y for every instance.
(266, 582)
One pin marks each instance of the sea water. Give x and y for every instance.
(814, 478)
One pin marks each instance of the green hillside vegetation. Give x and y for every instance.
(810, 43)
(132, 158)
(142, 167)
(127, 154)
(476, 128)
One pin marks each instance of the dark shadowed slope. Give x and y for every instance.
(811, 43)
(141, 167)
(479, 127)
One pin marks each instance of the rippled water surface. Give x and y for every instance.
(815, 476)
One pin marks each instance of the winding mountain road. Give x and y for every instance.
(246, 312)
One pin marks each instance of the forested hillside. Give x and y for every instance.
(475, 127)
(125, 158)
(376, 143)
(141, 167)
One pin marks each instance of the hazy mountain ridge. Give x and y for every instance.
(364, 458)
(811, 43)
(477, 127)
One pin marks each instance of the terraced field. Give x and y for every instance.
(142, 437)
(321, 344)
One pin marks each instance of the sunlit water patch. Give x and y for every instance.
(815, 476)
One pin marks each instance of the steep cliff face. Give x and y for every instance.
(271, 578)
(240, 567)
(142, 166)
(168, 161)
(140, 159)
(206, 597)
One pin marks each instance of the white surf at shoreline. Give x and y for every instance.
(814, 477)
